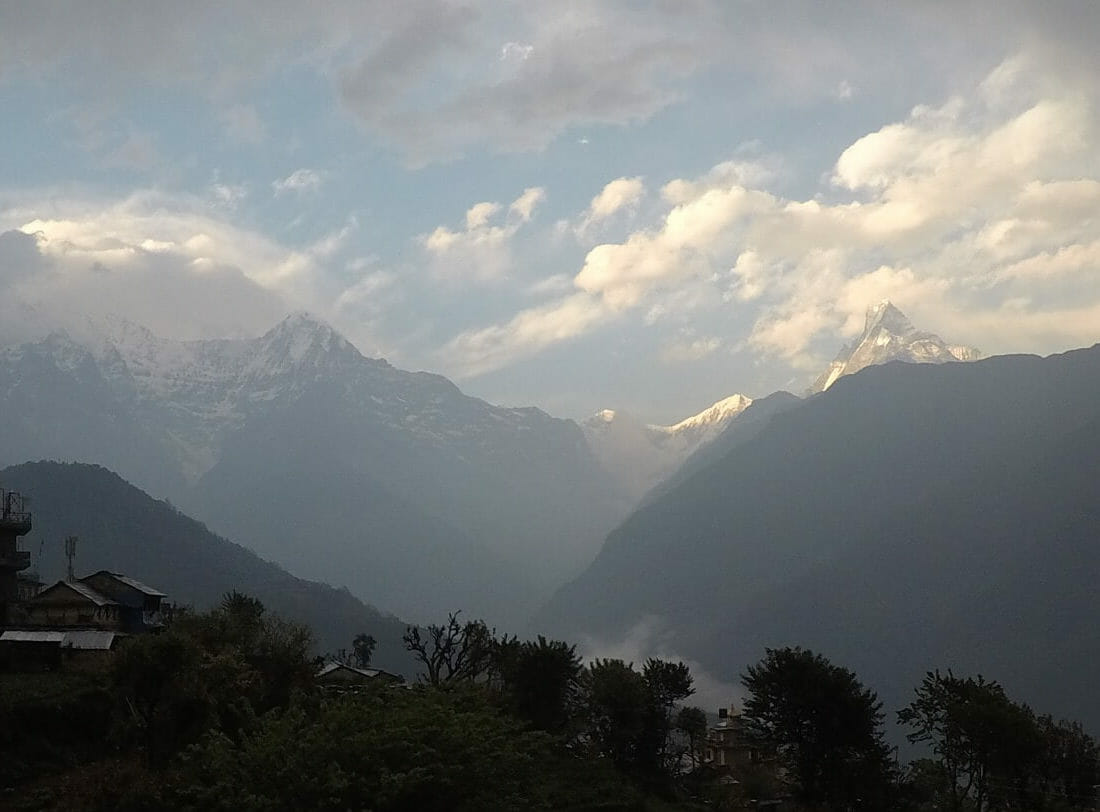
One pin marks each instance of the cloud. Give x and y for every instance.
(228, 195)
(165, 262)
(687, 347)
(157, 287)
(652, 637)
(300, 181)
(524, 205)
(482, 249)
(985, 204)
(475, 352)
(435, 78)
(618, 195)
(516, 50)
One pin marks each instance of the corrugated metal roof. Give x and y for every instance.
(89, 640)
(36, 636)
(132, 582)
(332, 665)
(95, 597)
(80, 639)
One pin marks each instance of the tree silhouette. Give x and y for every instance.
(825, 726)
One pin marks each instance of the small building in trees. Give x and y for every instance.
(140, 605)
(71, 604)
(728, 747)
(78, 623)
(103, 600)
(337, 676)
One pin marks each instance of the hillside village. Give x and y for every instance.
(84, 625)
(175, 688)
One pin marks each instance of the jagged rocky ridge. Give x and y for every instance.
(888, 335)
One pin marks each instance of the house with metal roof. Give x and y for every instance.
(140, 604)
(341, 676)
(72, 604)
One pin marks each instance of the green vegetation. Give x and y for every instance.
(223, 711)
(826, 729)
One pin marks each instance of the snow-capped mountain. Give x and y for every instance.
(889, 336)
(640, 455)
(338, 466)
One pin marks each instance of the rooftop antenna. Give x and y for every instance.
(70, 553)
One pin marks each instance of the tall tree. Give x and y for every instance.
(825, 727)
(541, 679)
(994, 753)
(454, 651)
(668, 684)
(363, 649)
(691, 723)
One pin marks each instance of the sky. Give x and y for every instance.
(644, 205)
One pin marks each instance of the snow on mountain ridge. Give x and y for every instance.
(640, 455)
(888, 335)
(198, 392)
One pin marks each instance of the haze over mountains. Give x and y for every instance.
(913, 516)
(338, 466)
(640, 455)
(345, 469)
(124, 530)
(905, 517)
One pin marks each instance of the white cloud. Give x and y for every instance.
(524, 206)
(482, 250)
(976, 206)
(478, 351)
(159, 287)
(228, 195)
(687, 347)
(165, 262)
(516, 50)
(299, 181)
(621, 194)
(479, 214)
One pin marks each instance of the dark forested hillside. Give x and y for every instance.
(123, 529)
(910, 517)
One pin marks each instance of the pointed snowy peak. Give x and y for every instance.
(302, 339)
(639, 455)
(888, 335)
(606, 419)
(719, 413)
(887, 317)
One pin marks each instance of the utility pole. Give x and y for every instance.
(70, 553)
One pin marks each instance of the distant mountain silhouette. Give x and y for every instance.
(123, 529)
(913, 516)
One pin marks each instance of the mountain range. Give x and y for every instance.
(912, 516)
(640, 455)
(337, 466)
(347, 470)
